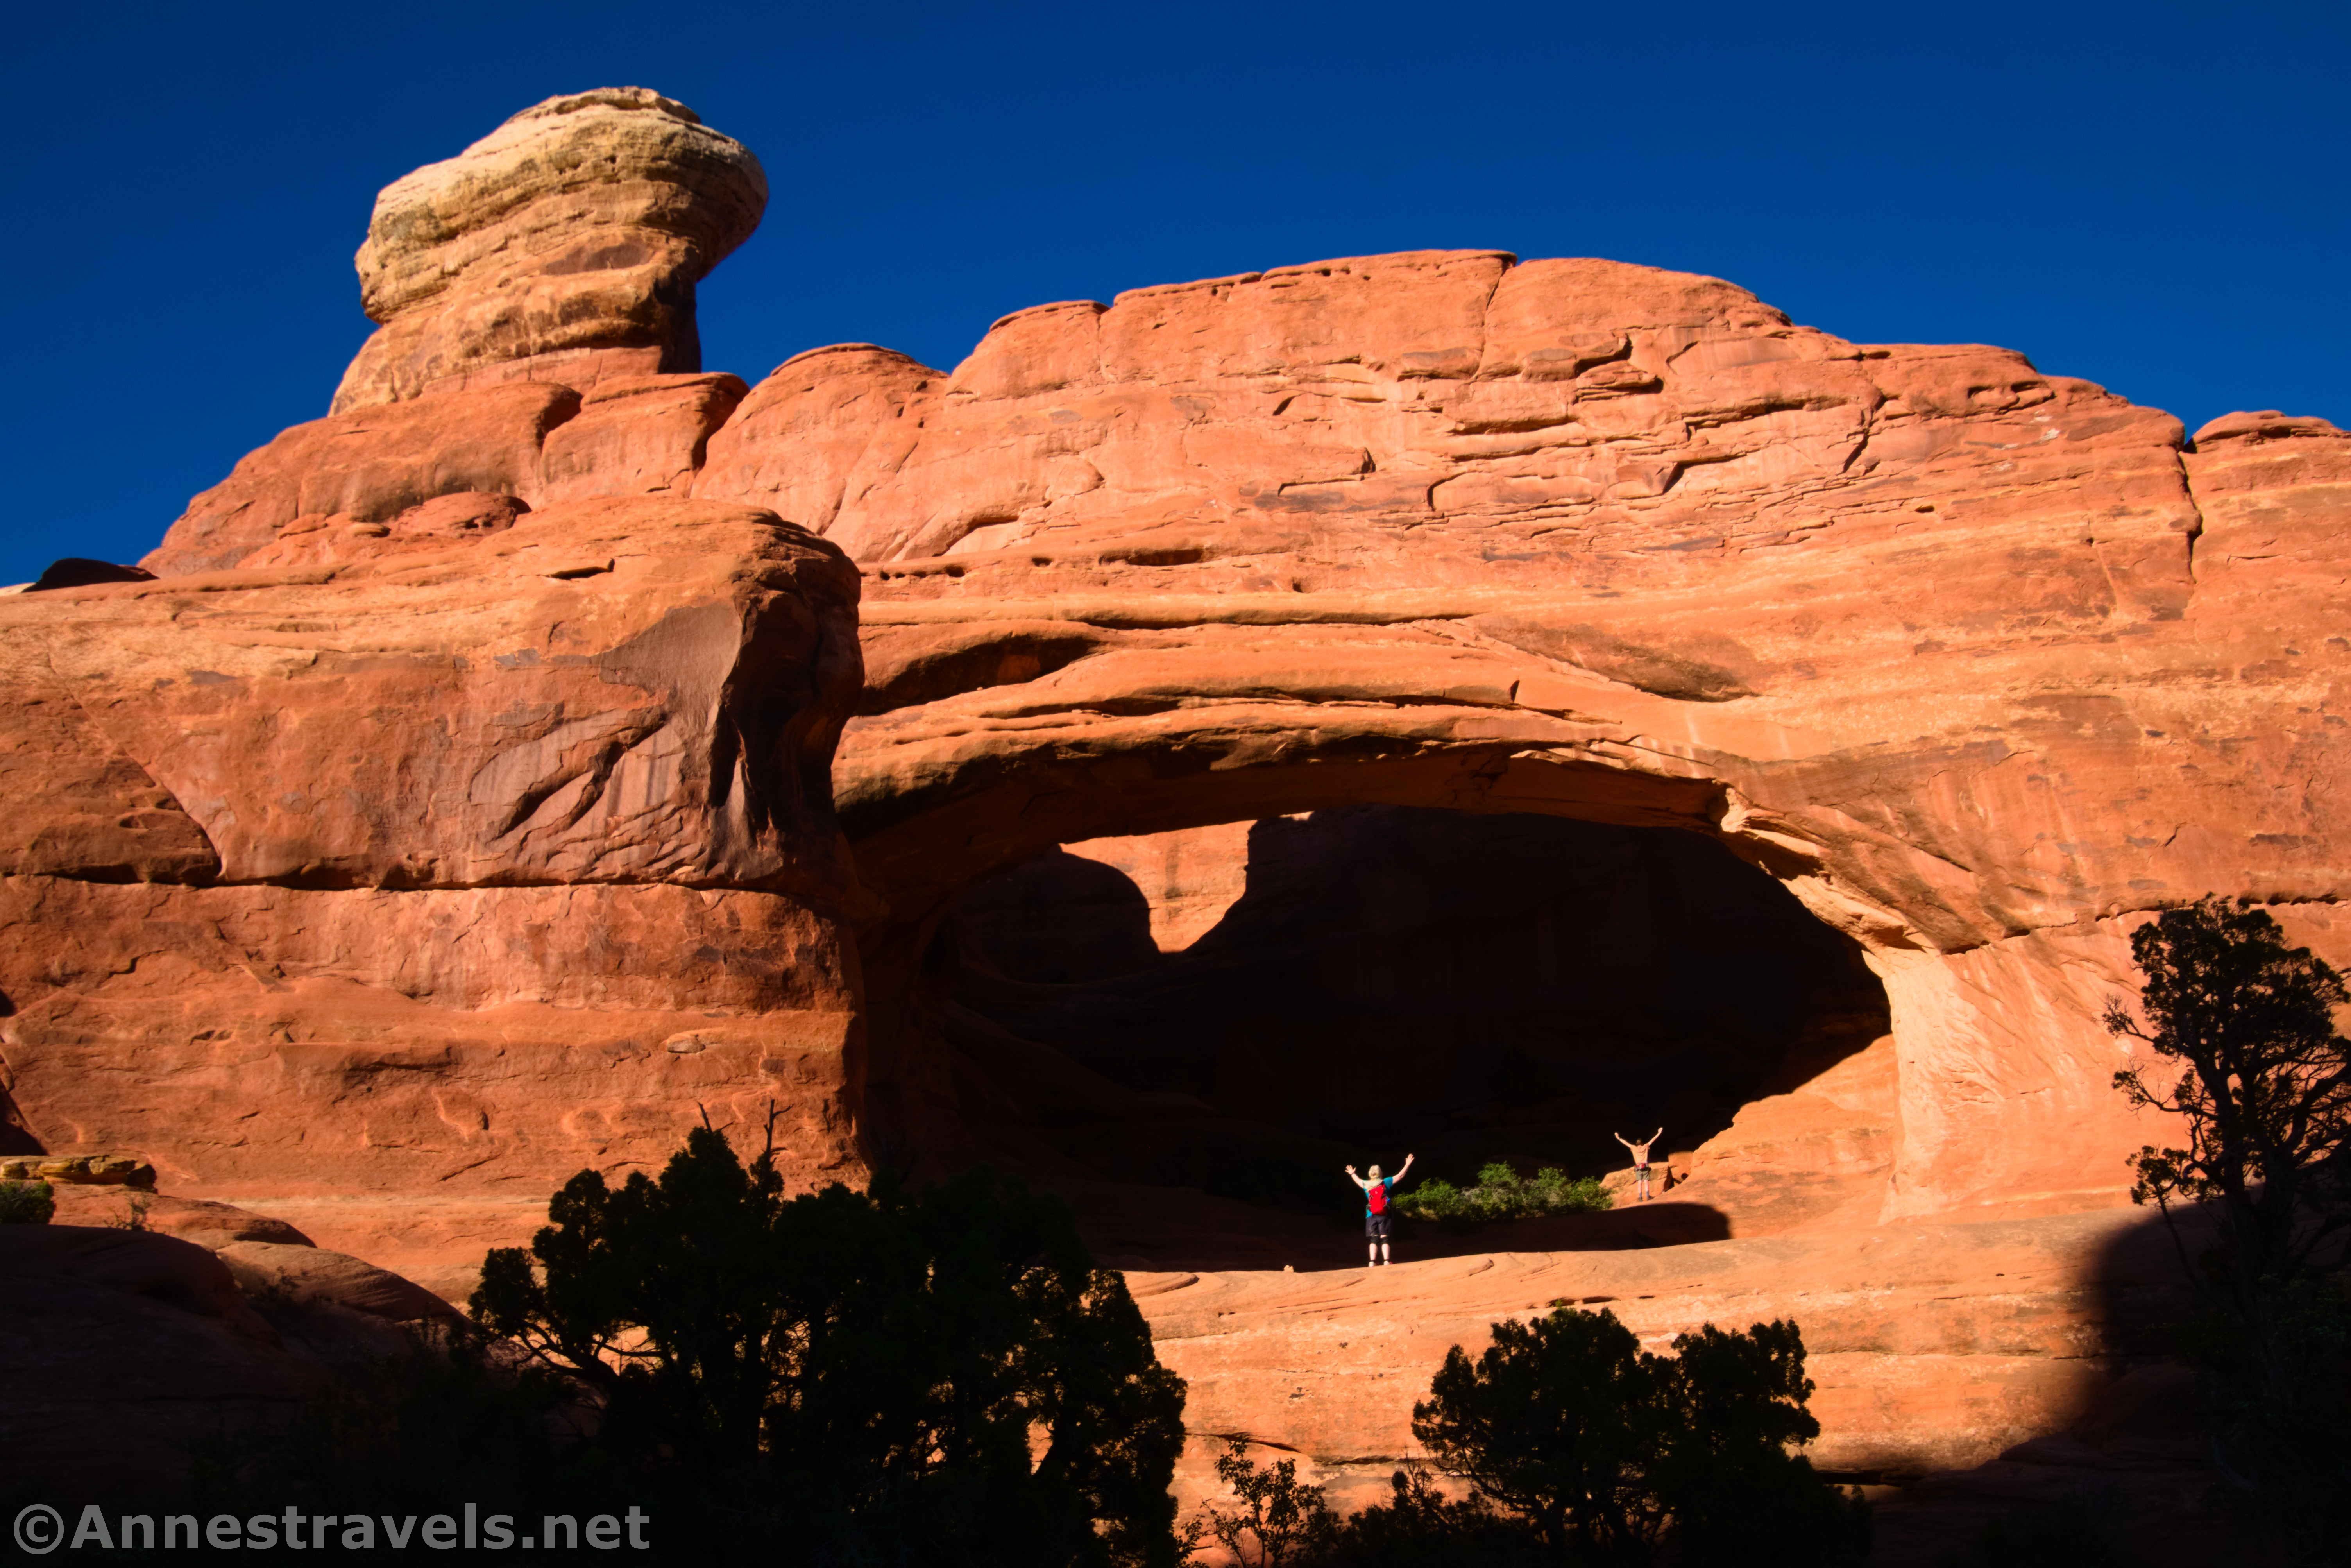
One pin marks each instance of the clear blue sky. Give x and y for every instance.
(2151, 196)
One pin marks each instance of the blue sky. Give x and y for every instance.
(2150, 196)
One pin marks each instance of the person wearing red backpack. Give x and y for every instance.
(1379, 1213)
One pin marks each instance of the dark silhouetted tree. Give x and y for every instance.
(1555, 1421)
(940, 1376)
(2261, 1080)
(1737, 1405)
(1608, 1452)
(1420, 1527)
(1280, 1523)
(2265, 1096)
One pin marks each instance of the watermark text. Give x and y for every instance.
(40, 1530)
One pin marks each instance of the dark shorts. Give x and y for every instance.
(1376, 1226)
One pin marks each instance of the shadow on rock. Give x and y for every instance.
(2126, 1481)
(1154, 1229)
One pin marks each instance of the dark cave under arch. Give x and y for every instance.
(1390, 978)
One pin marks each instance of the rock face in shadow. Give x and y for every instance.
(123, 1353)
(563, 246)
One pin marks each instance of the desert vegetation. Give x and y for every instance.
(27, 1202)
(942, 1375)
(2258, 1201)
(938, 1376)
(1500, 1193)
(1580, 1447)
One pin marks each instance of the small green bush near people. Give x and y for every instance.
(1501, 1193)
(27, 1202)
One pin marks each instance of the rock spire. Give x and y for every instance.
(564, 245)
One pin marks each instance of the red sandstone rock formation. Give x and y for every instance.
(428, 875)
(1967, 655)
(451, 813)
(1933, 1345)
(1188, 879)
(1931, 635)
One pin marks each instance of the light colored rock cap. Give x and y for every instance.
(574, 232)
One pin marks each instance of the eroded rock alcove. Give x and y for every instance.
(1282, 998)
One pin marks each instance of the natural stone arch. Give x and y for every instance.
(928, 826)
(1913, 626)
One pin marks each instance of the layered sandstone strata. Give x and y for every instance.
(1961, 651)
(405, 885)
(565, 245)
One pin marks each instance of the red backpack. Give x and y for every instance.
(1375, 1197)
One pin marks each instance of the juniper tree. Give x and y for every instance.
(2262, 1091)
(2264, 1099)
(941, 1376)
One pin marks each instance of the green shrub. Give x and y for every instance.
(1582, 1449)
(1420, 1527)
(1284, 1523)
(1501, 1193)
(1432, 1199)
(940, 1378)
(1280, 1523)
(27, 1202)
(1611, 1454)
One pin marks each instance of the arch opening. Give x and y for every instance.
(1190, 1032)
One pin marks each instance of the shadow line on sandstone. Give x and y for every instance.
(2123, 1451)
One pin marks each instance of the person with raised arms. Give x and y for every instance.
(1640, 1157)
(1379, 1211)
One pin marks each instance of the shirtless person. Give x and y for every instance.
(1378, 1212)
(1640, 1157)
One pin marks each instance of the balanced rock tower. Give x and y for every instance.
(565, 245)
(452, 811)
